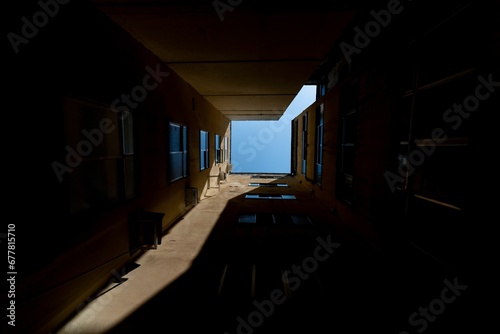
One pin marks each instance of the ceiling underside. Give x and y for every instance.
(249, 62)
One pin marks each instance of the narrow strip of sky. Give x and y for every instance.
(265, 146)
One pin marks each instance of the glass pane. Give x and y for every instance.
(203, 140)
(127, 133)
(93, 184)
(184, 138)
(175, 138)
(91, 130)
(185, 152)
(247, 218)
(176, 168)
(301, 220)
(444, 176)
(202, 160)
(439, 107)
(319, 171)
(217, 149)
(288, 196)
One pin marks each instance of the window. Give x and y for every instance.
(103, 144)
(177, 151)
(248, 218)
(259, 184)
(321, 88)
(257, 176)
(218, 151)
(318, 158)
(348, 136)
(204, 162)
(127, 145)
(226, 151)
(438, 183)
(270, 196)
(293, 160)
(304, 144)
(277, 219)
(436, 162)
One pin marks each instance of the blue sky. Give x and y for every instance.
(265, 146)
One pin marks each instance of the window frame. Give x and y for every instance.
(348, 133)
(106, 176)
(204, 151)
(183, 151)
(318, 154)
(218, 151)
(304, 144)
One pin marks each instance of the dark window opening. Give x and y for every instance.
(322, 88)
(293, 162)
(177, 152)
(318, 158)
(276, 219)
(204, 157)
(218, 151)
(259, 184)
(226, 149)
(104, 141)
(304, 144)
(266, 177)
(347, 141)
(270, 196)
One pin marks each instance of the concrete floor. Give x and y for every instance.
(213, 275)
